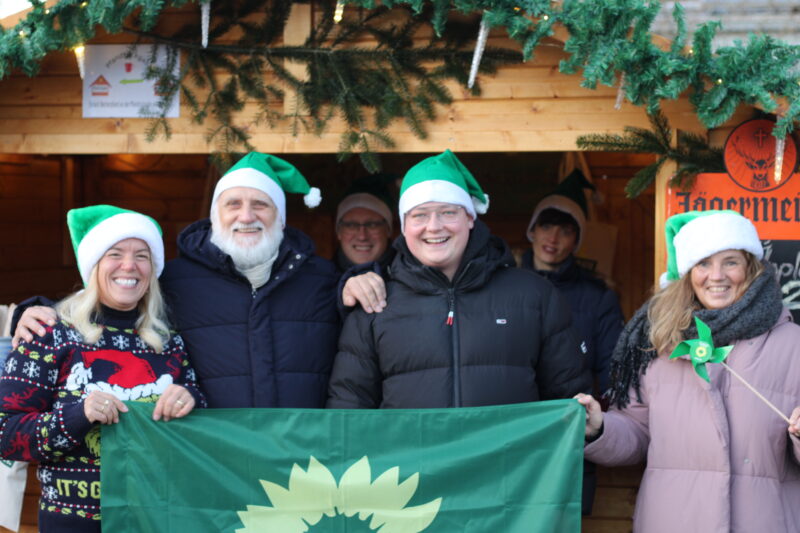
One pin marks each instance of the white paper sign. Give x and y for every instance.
(114, 85)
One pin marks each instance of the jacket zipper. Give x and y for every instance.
(456, 348)
(451, 321)
(451, 306)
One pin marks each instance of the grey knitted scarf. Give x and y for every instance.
(752, 314)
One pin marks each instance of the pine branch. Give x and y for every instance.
(692, 154)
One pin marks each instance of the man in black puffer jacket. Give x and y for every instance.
(462, 326)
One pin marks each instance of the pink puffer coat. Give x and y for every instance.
(718, 459)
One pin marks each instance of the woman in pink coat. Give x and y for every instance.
(718, 458)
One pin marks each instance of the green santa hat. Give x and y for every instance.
(271, 175)
(695, 235)
(441, 178)
(568, 197)
(97, 228)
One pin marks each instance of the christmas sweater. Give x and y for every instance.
(42, 390)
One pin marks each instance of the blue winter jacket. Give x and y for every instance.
(596, 313)
(270, 347)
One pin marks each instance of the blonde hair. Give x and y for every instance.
(152, 325)
(670, 310)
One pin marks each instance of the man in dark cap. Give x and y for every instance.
(555, 231)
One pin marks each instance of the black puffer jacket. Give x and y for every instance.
(510, 340)
(272, 347)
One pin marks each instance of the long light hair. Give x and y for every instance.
(80, 308)
(670, 310)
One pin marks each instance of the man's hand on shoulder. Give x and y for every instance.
(30, 323)
(367, 289)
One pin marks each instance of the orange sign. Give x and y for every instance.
(749, 186)
(776, 213)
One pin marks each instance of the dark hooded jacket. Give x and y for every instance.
(597, 318)
(269, 347)
(510, 340)
(596, 314)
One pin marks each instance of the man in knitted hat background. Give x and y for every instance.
(555, 231)
(462, 326)
(364, 223)
(254, 304)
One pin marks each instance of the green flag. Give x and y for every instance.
(513, 468)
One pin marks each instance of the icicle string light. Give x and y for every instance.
(205, 16)
(480, 44)
(780, 147)
(620, 92)
(338, 12)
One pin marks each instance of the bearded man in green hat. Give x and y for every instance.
(255, 305)
(462, 326)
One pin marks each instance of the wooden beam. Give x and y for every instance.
(465, 135)
(665, 173)
(67, 202)
(295, 33)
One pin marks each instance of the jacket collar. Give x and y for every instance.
(194, 243)
(568, 270)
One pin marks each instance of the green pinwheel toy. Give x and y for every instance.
(701, 350)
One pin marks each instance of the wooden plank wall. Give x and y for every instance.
(530, 107)
(32, 233)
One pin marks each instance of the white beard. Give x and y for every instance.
(254, 262)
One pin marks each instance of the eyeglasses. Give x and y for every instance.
(447, 215)
(371, 226)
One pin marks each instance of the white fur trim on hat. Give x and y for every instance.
(707, 235)
(565, 205)
(481, 207)
(434, 191)
(367, 201)
(313, 198)
(250, 177)
(117, 228)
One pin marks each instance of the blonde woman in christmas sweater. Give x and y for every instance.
(111, 344)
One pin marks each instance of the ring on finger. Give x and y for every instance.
(102, 408)
(180, 402)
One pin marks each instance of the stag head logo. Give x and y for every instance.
(761, 165)
(750, 156)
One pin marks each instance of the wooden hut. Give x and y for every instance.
(514, 137)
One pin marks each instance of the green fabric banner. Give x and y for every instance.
(512, 468)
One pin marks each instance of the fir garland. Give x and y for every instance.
(611, 38)
(367, 86)
(370, 87)
(693, 155)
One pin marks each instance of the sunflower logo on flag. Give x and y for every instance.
(314, 494)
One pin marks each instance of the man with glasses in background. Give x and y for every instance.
(461, 326)
(364, 223)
